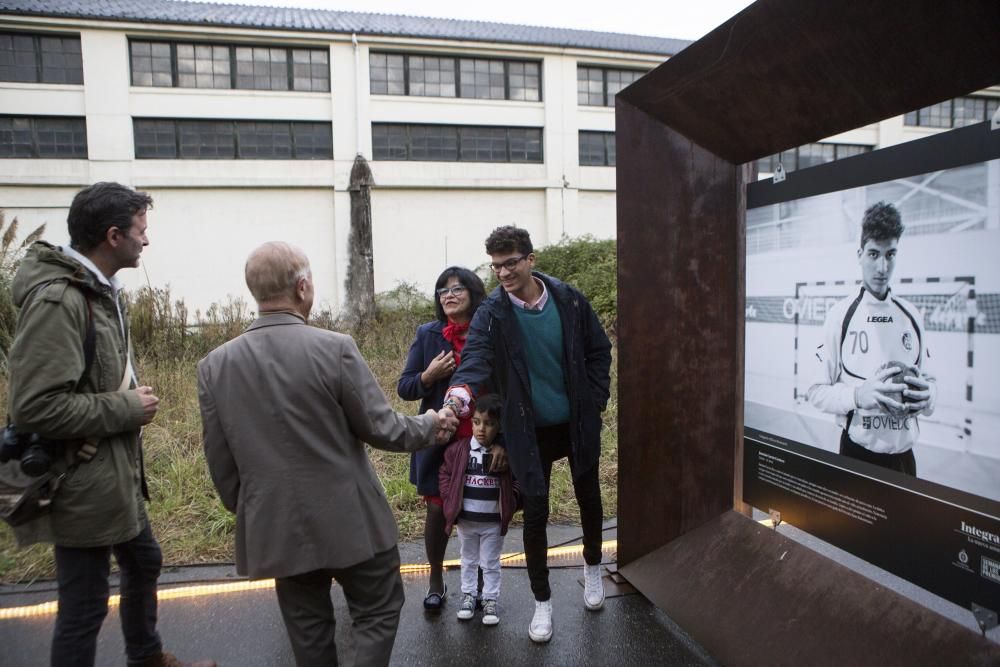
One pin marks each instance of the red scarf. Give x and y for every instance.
(454, 333)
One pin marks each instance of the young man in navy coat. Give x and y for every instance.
(538, 343)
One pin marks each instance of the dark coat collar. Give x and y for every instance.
(499, 302)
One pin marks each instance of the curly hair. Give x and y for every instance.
(509, 239)
(881, 222)
(466, 278)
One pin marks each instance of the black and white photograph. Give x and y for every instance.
(872, 381)
(873, 324)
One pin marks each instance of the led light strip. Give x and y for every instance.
(202, 590)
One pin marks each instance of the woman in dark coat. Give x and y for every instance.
(434, 355)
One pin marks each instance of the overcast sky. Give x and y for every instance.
(684, 19)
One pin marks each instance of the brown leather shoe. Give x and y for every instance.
(164, 659)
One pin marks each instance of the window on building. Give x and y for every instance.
(433, 142)
(958, 112)
(152, 64)
(206, 139)
(261, 68)
(264, 140)
(597, 149)
(482, 79)
(387, 74)
(456, 143)
(203, 66)
(597, 86)
(483, 144)
(312, 141)
(389, 142)
(809, 155)
(525, 144)
(311, 70)
(443, 76)
(43, 137)
(40, 58)
(157, 138)
(188, 65)
(524, 81)
(432, 77)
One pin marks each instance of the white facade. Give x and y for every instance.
(208, 214)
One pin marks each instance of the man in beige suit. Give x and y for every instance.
(285, 410)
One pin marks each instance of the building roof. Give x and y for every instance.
(322, 20)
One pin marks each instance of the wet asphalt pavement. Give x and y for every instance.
(244, 629)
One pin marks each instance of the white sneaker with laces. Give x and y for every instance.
(540, 629)
(593, 587)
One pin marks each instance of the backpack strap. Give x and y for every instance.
(89, 337)
(89, 340)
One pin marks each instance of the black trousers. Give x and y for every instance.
(374, 593)
(82, 576)
(554, 444)
(902, 462)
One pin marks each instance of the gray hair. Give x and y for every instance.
(273, 269)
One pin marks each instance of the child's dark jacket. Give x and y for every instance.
(451, 480)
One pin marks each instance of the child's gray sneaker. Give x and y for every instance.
(490, 616)
(467, 609)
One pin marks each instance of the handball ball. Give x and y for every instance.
(902, 370)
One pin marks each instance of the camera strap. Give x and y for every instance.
(128, 373)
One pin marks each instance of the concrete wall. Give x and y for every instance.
(417, 233)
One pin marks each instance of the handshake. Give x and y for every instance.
(447, 424)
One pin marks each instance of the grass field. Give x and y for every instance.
(188, 519)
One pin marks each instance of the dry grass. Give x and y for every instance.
(188, 519)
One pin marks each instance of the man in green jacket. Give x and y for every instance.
(72, 383)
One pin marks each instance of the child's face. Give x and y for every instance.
(485, 428)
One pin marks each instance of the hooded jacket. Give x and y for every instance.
(99, 502)
(494, 355)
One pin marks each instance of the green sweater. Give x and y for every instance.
(543, 352)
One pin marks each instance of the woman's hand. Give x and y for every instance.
(441, 367)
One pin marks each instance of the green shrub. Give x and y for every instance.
(589, 264)
(398, 313)
(162, 329)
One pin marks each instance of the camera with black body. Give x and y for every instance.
(34, 451)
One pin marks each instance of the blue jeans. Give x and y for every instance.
(82, 575)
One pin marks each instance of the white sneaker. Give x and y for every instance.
(593, 587)
(540, 629)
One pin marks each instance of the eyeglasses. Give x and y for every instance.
(456, 290)
(509, 264)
